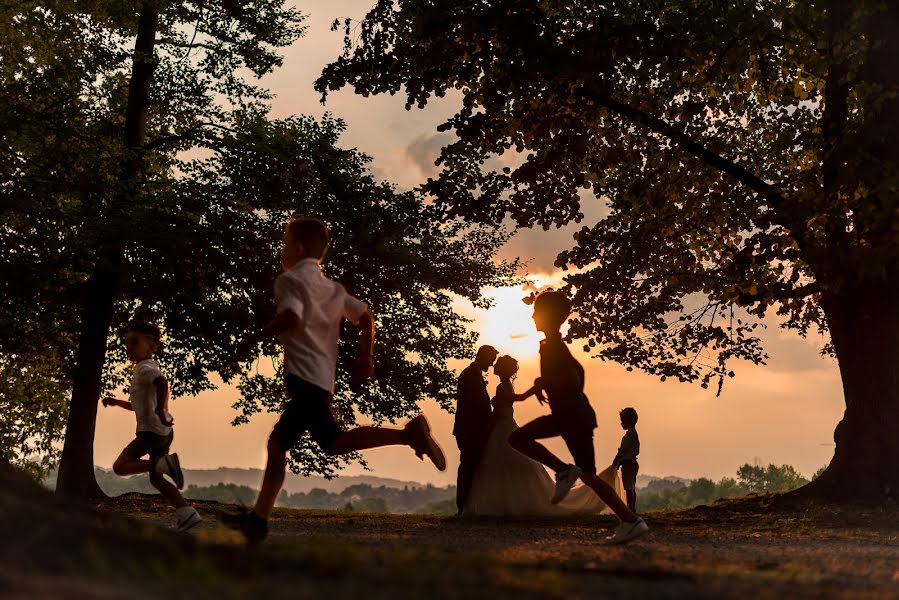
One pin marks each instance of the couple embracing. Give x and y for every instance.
(501, 471)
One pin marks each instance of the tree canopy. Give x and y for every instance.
(201, 219)
(742, 153)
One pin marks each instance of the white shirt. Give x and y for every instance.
(143, 398)
(310, 348)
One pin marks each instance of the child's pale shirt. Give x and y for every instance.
(143, 398)
(310, 348)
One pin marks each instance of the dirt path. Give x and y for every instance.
(751, 549)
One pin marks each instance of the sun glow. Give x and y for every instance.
(508, 325)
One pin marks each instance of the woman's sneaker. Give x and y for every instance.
(188, 518)
(564, 480)
(417, 434)
(628, 531)
(171, 466)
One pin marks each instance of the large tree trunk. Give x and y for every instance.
(76, 468)
(864, 328)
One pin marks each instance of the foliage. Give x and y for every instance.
(741, 154)
(751, 479)
(388, 248)
(227, 493)
(219, 179)
(443, 507)
(425, 499)
(366, 498)
(756, 479)
(32, 415)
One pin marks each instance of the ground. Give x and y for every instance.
(762, 547)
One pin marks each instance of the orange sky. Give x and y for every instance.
(782, 413)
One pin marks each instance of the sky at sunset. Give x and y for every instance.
(784, 412)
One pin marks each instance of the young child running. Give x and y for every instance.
(626, 458)
(149, 399)
(572, 418)
(310, 309)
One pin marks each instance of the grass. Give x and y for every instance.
(761, 547)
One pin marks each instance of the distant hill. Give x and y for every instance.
(297, 483)
(252, 478)
(292, 483)
(644, 480)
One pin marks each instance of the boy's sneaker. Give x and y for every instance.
(253, 527)
(171, 466)
(628, 531)
(564, 480)
(188, 518)
(417, 434)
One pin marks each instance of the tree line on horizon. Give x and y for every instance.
(659, 493)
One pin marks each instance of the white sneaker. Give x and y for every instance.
(628, 531)
(188, 518)
(171, 466)
(564, 480)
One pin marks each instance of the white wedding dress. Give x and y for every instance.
(510, 484)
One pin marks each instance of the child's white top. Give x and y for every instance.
(143, 398)
(310, 348)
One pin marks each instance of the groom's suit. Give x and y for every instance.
(472, 427)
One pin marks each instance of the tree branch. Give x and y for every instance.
(686, 143)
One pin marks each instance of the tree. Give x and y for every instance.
(743, 154)
(389, 248)
(148, 201)
(757, 479)
(240, 36)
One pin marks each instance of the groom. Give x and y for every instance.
(472, 428)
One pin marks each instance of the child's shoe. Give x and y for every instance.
(171, 466)
(417, 434)
(628, 531)
(253, 527)
(188, 518)
(564, 480)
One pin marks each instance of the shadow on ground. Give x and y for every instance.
(761, 547)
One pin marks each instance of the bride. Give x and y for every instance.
(509, 483)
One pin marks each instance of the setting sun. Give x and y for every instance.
(508, 325)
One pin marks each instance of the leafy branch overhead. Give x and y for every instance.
(203, 222)
(738, 154)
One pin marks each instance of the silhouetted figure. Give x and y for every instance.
(310, 310)
(149, 400)
(473, 420)
(572, 418)
(509, 483)
(626, 458)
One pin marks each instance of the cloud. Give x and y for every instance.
(424, 150)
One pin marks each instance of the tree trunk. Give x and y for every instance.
(864, 328)
(76, 468)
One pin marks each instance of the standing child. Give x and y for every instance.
(149, 399)
(310, 310)
(572, 417)
(626, 459)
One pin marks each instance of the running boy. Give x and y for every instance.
(149, 399)
(310, 309)
(572, 417)
(626, 459)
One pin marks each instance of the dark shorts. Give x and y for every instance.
(150, 443)
(308, 410)
(629, 470)
(578, 437)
